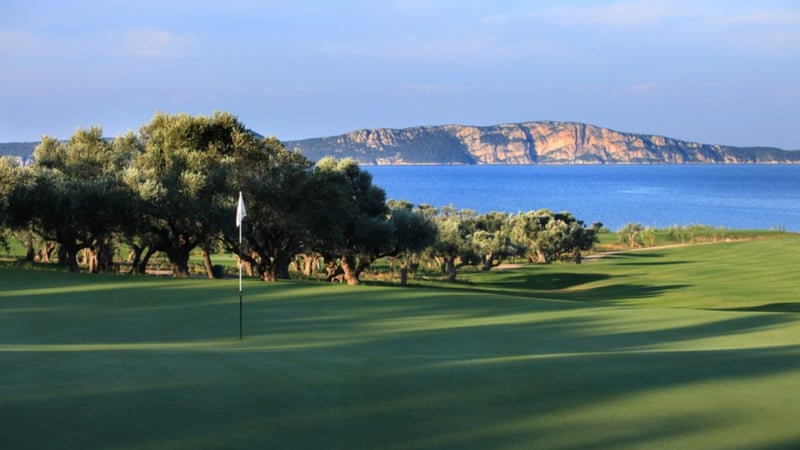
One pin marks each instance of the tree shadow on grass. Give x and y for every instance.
(769, 307)
(548, 281)
(640, 259)
(567, 286)
(653, 263)
(622, 291)
(419, 372)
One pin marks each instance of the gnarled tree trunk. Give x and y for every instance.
(207, 261)
(350, 269)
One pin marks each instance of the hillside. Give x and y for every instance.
(521, 143)
(527, 143)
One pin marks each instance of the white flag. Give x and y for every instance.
(241, 213)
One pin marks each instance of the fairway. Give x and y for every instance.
(689, 347)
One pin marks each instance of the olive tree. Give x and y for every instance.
(9, 177)
(453, 247)
(280, 204)
(413, 233)
(180, 177)
(358, 230)
(73, 195)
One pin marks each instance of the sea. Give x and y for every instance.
(660, 196)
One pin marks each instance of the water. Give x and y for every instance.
(729, 196)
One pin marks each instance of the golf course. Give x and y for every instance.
(685, 347)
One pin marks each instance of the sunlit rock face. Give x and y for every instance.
(526, 143)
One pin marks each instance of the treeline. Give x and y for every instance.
(172, 188)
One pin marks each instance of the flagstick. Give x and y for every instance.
(240, 281)
(240, 215)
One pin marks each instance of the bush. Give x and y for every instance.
(218, 271)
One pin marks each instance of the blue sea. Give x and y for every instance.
(729, 196)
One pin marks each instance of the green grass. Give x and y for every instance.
(757, 274)
(690, 234)
(689, 347)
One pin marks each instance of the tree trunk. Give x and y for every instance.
(281, 263)
(105, 257)
(268, 274)
(488, 262)
(180, 270)
(46, 253)
(99, 258)
(577, 256)
(68, 257)
(90, 260)
(30, 253)
(632, 239)
(179, 260)
(141, 266)
(404, 273)
(333, 272)
(207, 261)
(450, 268)
(351, 273)
(308, 264)
(134, 257)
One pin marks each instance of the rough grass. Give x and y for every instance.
(690, 347)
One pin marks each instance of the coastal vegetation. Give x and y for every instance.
(171, 190)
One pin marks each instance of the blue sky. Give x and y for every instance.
(722, 72)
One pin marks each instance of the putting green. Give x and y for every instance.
(551, 360)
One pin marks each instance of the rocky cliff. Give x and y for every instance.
(527, 143)
(518, 143)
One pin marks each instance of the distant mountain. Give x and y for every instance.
(528, 143)
(22, 150)
(518, 143)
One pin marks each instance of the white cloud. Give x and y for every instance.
(150, 42)
(643, 88)
(26, 42)
(496, 20)
(782, 17)
(437, 88)
(613, 14)
(478, 46)
(144, 42)
(288, 91)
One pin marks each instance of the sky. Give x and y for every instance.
(718, 72)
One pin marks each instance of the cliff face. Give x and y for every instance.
(520, 143)
(527, 143)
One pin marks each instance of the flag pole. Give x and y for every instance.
(240, 278)
(240, 215)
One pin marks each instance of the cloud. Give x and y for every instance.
(496, 20)
(614, 14)
(288, 91)
(154, 43)
(142, 42)
(477, 46)
(27, 42)
(782, 17)
(643, 88)
(437, 88)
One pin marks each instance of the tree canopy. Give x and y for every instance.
(171, 189)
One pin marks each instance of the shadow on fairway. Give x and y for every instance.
(641, 259)
(337, 367)
(770, 307)
(566, 286)
(617, 292)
